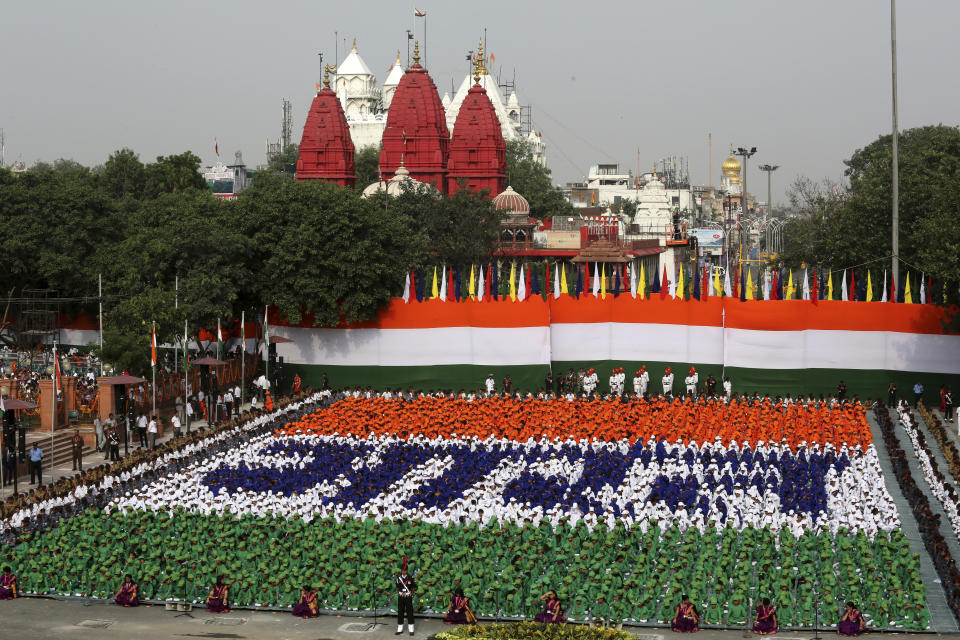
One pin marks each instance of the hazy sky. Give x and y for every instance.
(807, 83)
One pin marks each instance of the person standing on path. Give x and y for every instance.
(152, 432)
(76, 448)
(406, 586)
(36, 464)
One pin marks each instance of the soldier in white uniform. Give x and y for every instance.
(691, 381)
(668, 382)
(491, 385)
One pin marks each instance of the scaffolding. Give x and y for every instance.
(37, 318)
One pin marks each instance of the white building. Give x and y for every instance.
(365, 104)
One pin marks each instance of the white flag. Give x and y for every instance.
(443, 285)
(556, 280)
(406, 289)
(596, 281)
(766, 284)
(633, 280)
(521, 286)
(481, 285)
(727, 290)
(673, 287)
(806, 286)
(923, 289)
(884, 297)
(843, 288)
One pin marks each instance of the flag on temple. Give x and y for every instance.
(153, 346)
(418, 13)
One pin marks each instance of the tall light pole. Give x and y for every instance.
(746, 154)
(769, 168)
(895, 162)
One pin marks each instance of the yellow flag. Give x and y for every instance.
(869, 287)
(642, 284)
(434, 290)
(513, 281)
(830, 286)
(563, 278)
(751, 291)
(907, 296)
(603, 281)
(680, 285)
(789, 290)
(717, 285)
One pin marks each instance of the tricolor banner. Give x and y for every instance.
(784, 348)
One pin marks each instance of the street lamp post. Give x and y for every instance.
(746, 154)
(769, 168)
(895, 162)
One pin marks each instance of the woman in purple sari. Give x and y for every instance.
(765, 623)
(217, 600)
(307, 606)
(128, 596)
(553, 611)
(8, 584)
(685, 618)
(459, 612)
(852, 622)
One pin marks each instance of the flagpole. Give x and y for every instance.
(266, 339)
(186, 416)
(100, 298)
(53, 403)
(153, 339)
(243, 355)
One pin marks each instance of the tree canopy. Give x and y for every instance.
(846, 227)
(532, 180)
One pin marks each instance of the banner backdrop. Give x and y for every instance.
(777, 347)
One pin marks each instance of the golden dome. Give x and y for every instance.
(730, 166)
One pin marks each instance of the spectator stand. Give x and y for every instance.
(942, 619)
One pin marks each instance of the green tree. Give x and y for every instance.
(173, 174)
(123, 174)
(368, 166)
(285, 162)
(532, 180)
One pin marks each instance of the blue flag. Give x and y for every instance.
(579, 288)
(456, 284)
(743, 285)
(616, 281)
(419, 285)
(535, 282)
(696, 283)
(494, 285)
(655, 287)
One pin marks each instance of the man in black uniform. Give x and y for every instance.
(406, 586)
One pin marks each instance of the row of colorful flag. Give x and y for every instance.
(518, 282)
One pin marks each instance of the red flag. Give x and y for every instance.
(526, 278)
(56, 369)
(486, 284)
(664, 284)
(893, 291)
(813, 292)
(546, 280)
(853, 286)
(776, 283)
(153, 346)
(736, 283)
(705, 294)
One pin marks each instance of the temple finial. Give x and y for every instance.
(398, 56)
(326, 76)
(479, 70)
(416, 52)
(354, 45)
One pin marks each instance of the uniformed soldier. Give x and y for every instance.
(406, 587)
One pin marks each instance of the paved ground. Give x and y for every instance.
(41, 619)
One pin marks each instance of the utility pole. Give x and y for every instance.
(746, 154)
(895, 160)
